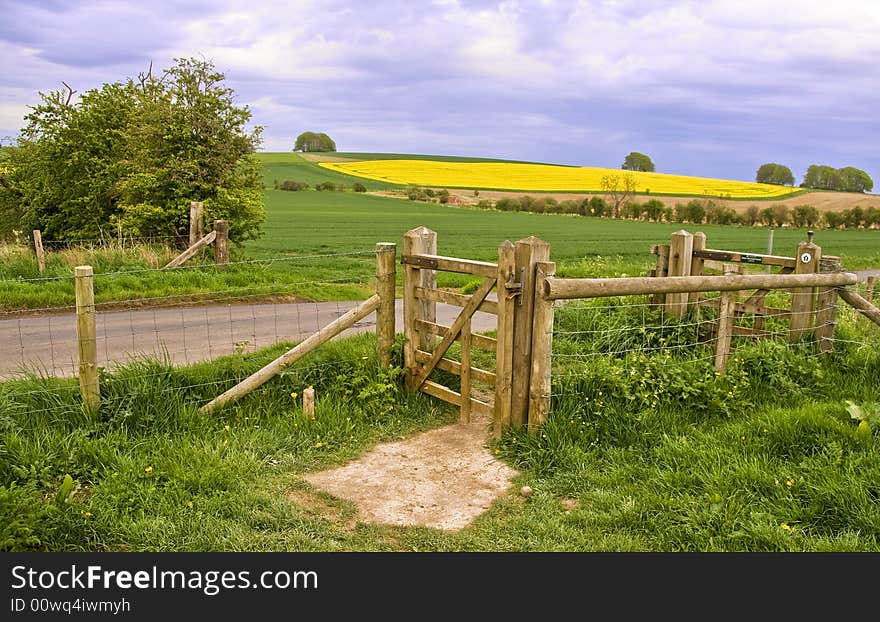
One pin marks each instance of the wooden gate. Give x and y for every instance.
(506, 291)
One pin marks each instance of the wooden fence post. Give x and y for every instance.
(504, 341)
(699, 244)
(418, 241)
(221, 242)
(309, 402)
(527, 253)
(681, 249)
(661, 270)
(826, 318)
(542, 349)
(869, 288)
(38, 248)
(195, 222)
(87, 337)
(803, 300)
(385, 287)
(726, 321)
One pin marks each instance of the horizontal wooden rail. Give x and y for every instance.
(453, 397)
(451, 264)
(564, 289)
(860, 304)
(192, 250)
(747, 258)
(457, 300)
(268, 371)
(478, 341)
(454, 367)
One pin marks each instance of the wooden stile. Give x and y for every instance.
(87, 337)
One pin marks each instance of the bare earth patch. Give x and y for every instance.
(442, 478)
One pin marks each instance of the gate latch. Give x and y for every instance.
(515, 288)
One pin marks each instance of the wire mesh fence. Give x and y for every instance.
(634, 338)
(259, 307)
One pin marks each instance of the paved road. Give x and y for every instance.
(47, 343)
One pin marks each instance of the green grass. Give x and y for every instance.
(302, 226)
(778, 466)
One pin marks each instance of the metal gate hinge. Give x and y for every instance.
(515, 288)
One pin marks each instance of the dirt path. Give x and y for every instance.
(443, 478)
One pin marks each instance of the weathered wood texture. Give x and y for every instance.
(309, 402)
(826, 318)
(681, 248)
(542, 348)
(195, 221)
(803, 300)
(527, 253)
(861, 305)
(559, 289)
(504, 341)
(87, 336)
(420, 240)
(386, 253)
(38, 249)
(192, 250)
(221, 242)
(270, 370)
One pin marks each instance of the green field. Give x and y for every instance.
(303, 226)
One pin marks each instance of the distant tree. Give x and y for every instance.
(312, 141)
(804, 216)
(636, 161)
(752, 215)
(132, 155)
(854, 180)
(772, 173)
(846, 179)
(619, 189)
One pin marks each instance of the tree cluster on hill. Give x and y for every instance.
(314, 141)
(130, 157)
(846, 179)
(636, 161)
(773, 173)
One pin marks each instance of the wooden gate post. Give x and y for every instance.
(699, 244)
(528, 252)
(681, 249)
(38, 248)
(195, 221)
(418, 241)
(726, 321)
(221, 242)
(542, 349)
(504, 341)
(385, 287)
(661, 270)
(803, 300)
(87, 337)
(826, 318)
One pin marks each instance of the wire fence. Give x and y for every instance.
(630, 332)
(158, 333)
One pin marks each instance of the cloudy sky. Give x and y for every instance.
(707, 87)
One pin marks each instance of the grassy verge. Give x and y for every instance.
(642, 453)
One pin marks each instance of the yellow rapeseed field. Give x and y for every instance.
(545, 178)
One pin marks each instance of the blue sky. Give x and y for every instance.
(710, 88)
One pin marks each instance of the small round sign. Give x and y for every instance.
(806, 258)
